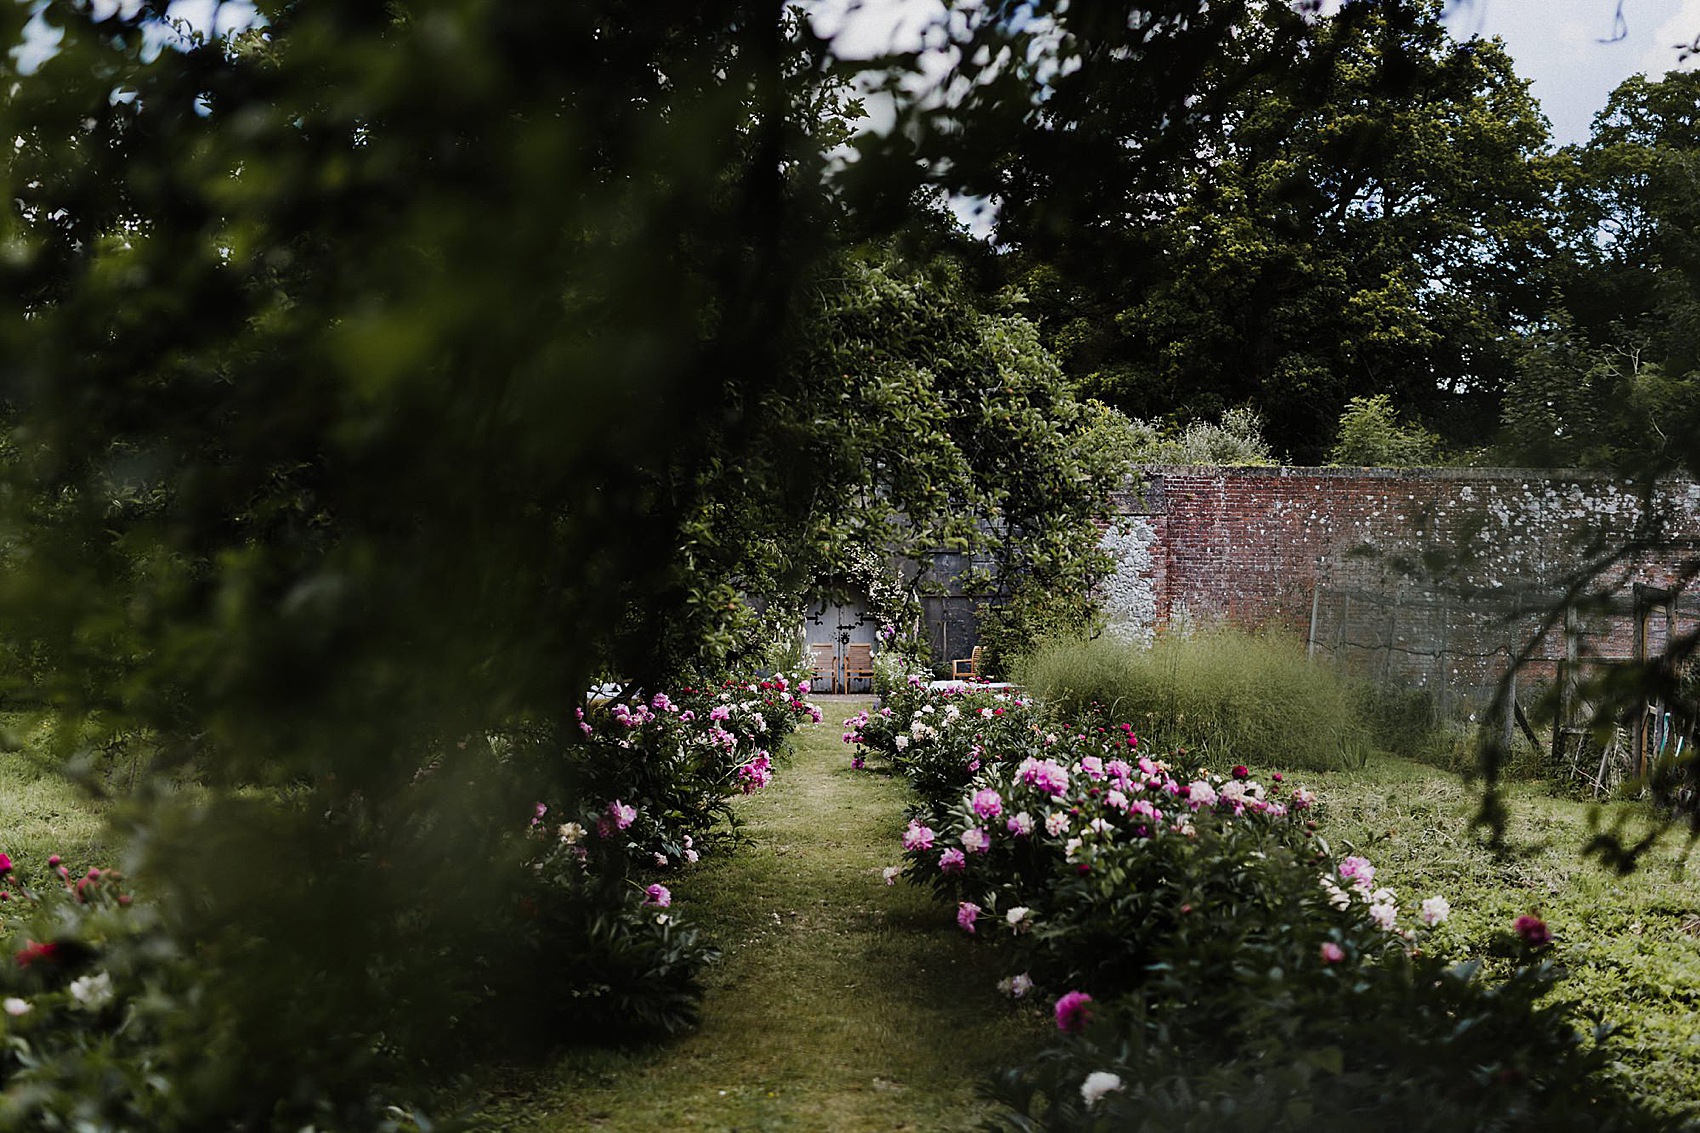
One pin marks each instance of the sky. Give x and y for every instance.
(1557, 44)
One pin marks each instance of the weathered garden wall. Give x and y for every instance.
(1433, 576)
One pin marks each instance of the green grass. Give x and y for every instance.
(841, 1003)
(1631, 943)
(43, 813)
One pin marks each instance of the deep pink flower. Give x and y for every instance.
(1240, 771)
(1532, 930)
(658, 896)
(5, 865)
(1074, 1011)
(952, 861)
(1332, 953)
(621, 814)
(32, 952)
(966, 913)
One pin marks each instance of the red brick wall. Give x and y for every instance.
(1472, 557)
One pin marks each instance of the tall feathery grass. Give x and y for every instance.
(1238, 697)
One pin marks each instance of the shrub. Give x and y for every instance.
(1013, 627)
(1247, 1023)
(673, 759)
(1370, 434)
(1093, 856)
(1226, 696)
(124, 1011)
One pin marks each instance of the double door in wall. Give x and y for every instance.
(840, 638)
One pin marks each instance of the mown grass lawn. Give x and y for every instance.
(841, 1003)
(1630, 942)
(41, 812)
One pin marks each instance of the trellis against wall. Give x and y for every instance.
(1459, 647)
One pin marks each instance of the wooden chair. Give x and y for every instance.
(858, 664)
(825, 661)
(967, 668)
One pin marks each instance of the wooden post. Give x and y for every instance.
(1443, 676)
(1392, 636)
(1508, 725)
(1315, 602)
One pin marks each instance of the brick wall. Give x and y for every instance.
(1449, 570)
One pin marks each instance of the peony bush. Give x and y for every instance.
(117, 1016)
(1209, 961)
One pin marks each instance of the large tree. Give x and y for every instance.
(372, 381)
(1609, 379)
(1338, 207)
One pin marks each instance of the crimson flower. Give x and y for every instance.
(1532, 930)
(32, 952)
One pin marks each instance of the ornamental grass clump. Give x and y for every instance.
(1224, 695)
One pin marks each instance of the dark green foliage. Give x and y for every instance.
(1340, 207)
(1275, 1041)
(373, 381)
(1019, 623)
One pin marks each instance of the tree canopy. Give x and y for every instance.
(1347, 206)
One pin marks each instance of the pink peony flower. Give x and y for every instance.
(918, 837)
(621, 814)
(1073, 1012)
(967, 912)
(1435, 910)
(1021, 824)
(755, 774)
(1045, 774)
(1358, 871)
(5, 865)
(975, 840)
(1332, 953)
(658, 896)
(952, 861)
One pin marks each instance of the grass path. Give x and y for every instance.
(841, 1003)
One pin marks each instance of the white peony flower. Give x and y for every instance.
(15, 1006)
(1016, 987)
(1097, 1084)
(1435, 910)
(92, 992)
